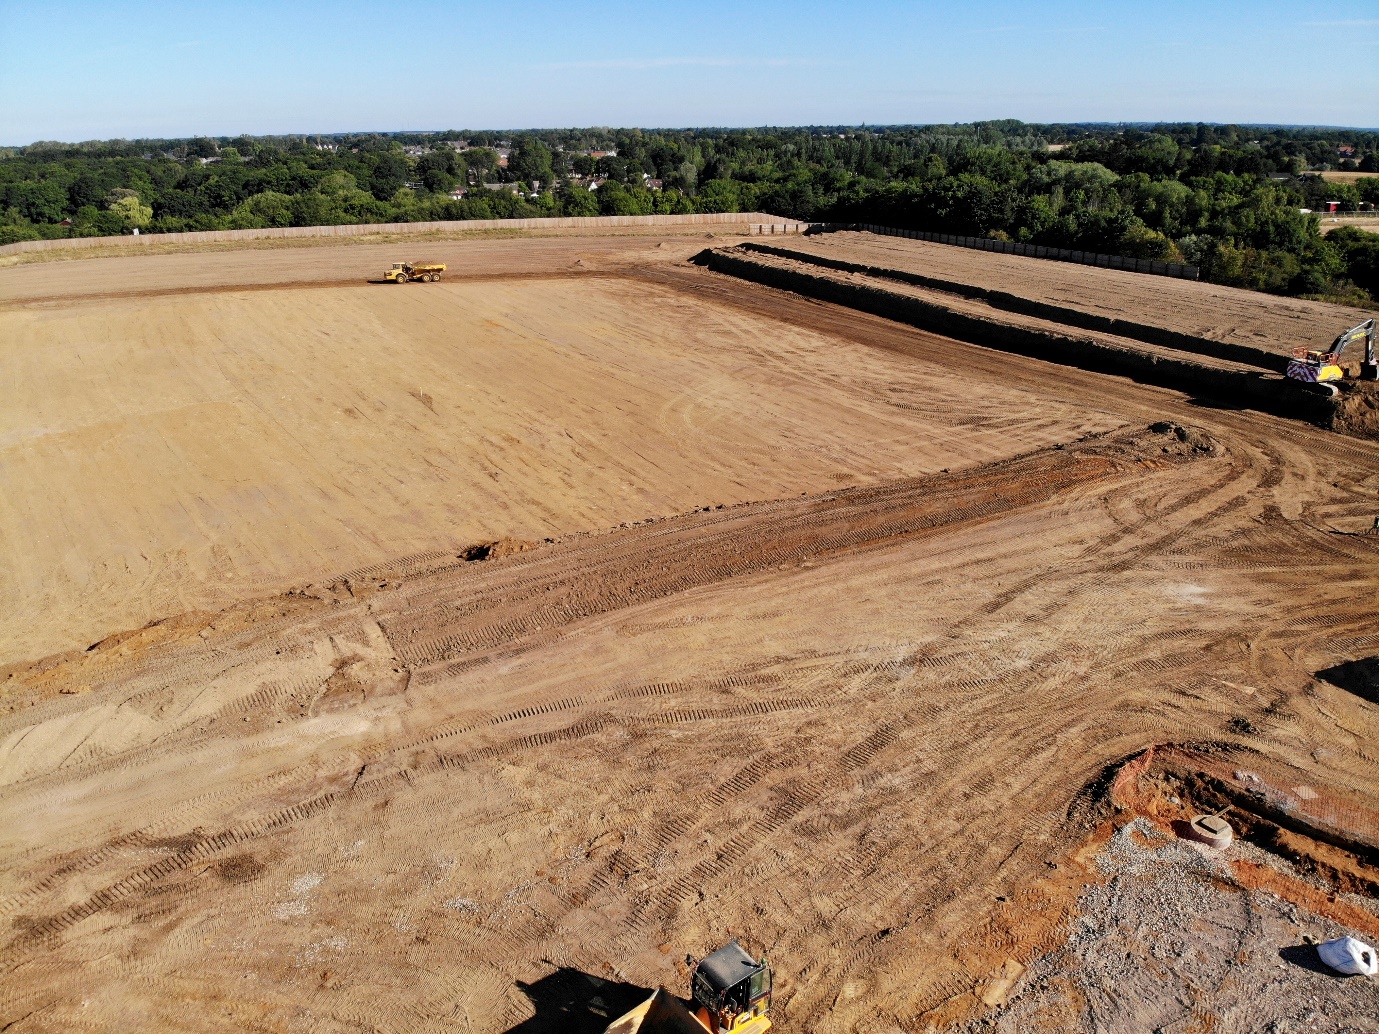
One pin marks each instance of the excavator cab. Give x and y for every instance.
(732, 992)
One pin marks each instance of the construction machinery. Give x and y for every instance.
(730, 993)
(402, 272)
(1321, 370)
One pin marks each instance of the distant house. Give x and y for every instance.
(65, 222)
(1331, 206)
(596, 181)
(415, 151)
(654, 184)
(1345, 150)
(596, 155)
(511, 188)
(459, 145)
(458, 194)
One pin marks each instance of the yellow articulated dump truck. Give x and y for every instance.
(401, 272)
(730, 993)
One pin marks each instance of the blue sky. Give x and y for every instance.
(77, 71)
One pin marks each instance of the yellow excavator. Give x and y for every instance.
(1321, 370)
(730, 993)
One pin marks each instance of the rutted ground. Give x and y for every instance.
(855, 727)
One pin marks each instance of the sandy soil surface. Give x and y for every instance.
(180, 451)
(341, 262)
(1365, 221)
(840, 631)
(1342, 176)
(1276, 324)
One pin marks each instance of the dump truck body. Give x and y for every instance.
(662, 1013)
(402, 272)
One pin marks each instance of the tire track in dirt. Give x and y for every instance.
(36, 301)
(635, 571)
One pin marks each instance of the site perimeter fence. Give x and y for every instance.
(760, 229)
(1086, 258)
(752, 219)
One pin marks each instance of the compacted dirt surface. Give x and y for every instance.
(462, 656)
(166, 452)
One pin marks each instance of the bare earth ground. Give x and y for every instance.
(1364, 220)
(838, 631)
(179, 451)
(1270, 322)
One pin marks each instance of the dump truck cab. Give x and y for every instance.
(731, 991)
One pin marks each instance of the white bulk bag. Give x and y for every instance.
(1347, 955)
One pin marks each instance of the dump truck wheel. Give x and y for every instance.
(401, 278)
(435, 278)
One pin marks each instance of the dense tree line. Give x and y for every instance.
(1230, 199)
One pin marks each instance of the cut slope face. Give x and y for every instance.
(169, 454)
(1224, 314)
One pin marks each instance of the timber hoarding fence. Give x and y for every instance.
(755, 221)
(1086, 258)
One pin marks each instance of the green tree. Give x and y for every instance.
(480, 162)
(269, 208)
(531, 163)
(579, 201)
(132, 211)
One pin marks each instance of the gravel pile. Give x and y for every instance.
(1171, 943)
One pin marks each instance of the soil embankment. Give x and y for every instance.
(1175, 308)
(1225, 373)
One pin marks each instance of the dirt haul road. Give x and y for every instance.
(848, 703)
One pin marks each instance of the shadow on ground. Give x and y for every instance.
(1359, 677)
(570, 1001)
(1306, 957)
